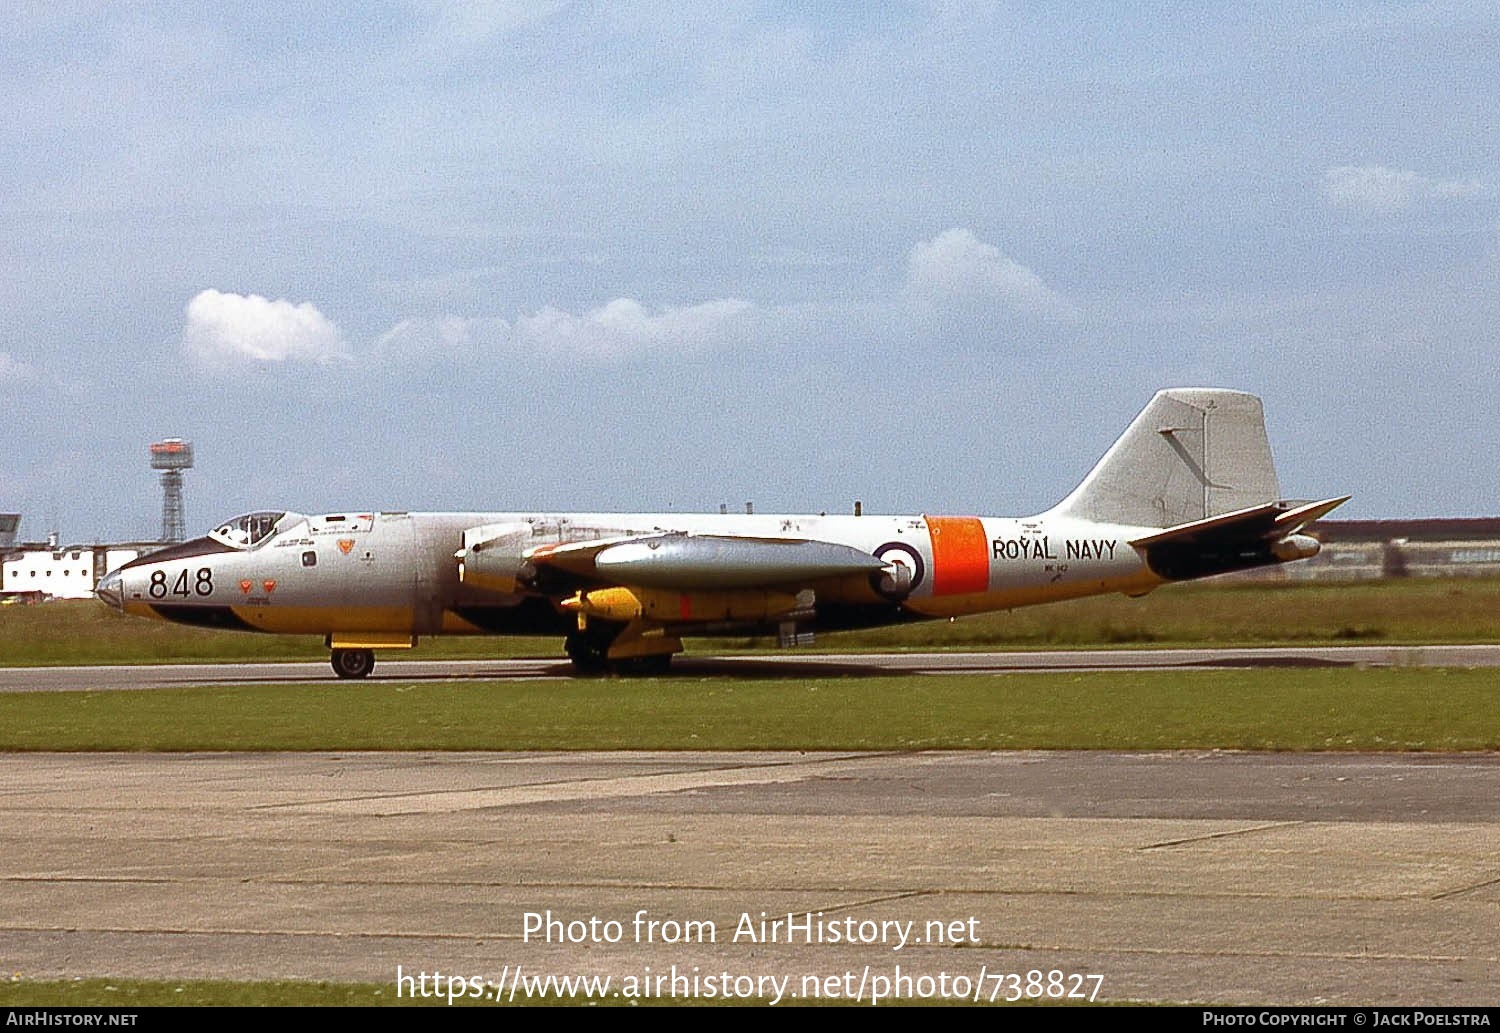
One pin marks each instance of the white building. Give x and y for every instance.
(46, 571)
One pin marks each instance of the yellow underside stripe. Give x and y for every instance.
(324, 620)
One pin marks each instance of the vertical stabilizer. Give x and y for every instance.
(1192, 453)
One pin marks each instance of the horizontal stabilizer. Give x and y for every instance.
(1259, 536)
(1258, 523)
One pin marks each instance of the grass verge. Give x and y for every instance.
(1284, 709)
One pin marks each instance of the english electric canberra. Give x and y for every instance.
(1188, 491)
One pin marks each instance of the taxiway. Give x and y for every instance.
(1184, 877)
(761, 665)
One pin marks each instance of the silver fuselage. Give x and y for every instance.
(381, 578)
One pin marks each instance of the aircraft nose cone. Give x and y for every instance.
(110, 591)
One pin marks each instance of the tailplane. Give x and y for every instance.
(1191, 455)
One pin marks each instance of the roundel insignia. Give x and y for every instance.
(900, 555)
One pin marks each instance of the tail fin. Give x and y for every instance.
(1192, 454)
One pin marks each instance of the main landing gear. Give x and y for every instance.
(353, 663)
(589, 650)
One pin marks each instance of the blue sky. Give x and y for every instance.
(663, 256)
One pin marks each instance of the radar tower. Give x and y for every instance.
(171, 457)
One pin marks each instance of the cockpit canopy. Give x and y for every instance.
(247, 531)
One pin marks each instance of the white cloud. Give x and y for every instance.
(1378, 190)
(233, 329)
(957, 264)
(12, 370)
(624, 328)
(621, 330)
(447, 335)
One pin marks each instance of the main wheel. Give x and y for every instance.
(588, 652)
(353, 663)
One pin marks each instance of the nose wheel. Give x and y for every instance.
(353, 663)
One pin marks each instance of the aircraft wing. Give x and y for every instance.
(678, 560)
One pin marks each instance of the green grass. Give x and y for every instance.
(1206, 614)
(1448, 610)
(1281, 709)
(84, 632)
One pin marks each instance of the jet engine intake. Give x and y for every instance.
(491, 557)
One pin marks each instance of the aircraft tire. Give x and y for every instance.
(588, 653)
(353, 663)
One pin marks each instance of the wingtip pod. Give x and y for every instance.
(1295, 547)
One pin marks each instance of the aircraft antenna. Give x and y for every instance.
(172, 456)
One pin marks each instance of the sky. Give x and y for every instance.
(662, 256)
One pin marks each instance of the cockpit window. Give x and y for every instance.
(248, 531)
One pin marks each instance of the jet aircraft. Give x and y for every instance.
(1188, 491)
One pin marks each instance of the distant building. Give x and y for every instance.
(1467, 547)
(1369, 550)
(46, 571)
(34, 571)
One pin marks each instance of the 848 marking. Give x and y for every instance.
(202, 583)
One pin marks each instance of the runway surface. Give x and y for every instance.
(1185, 877)
(776, 665)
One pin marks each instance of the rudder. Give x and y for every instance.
(1191, 454)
